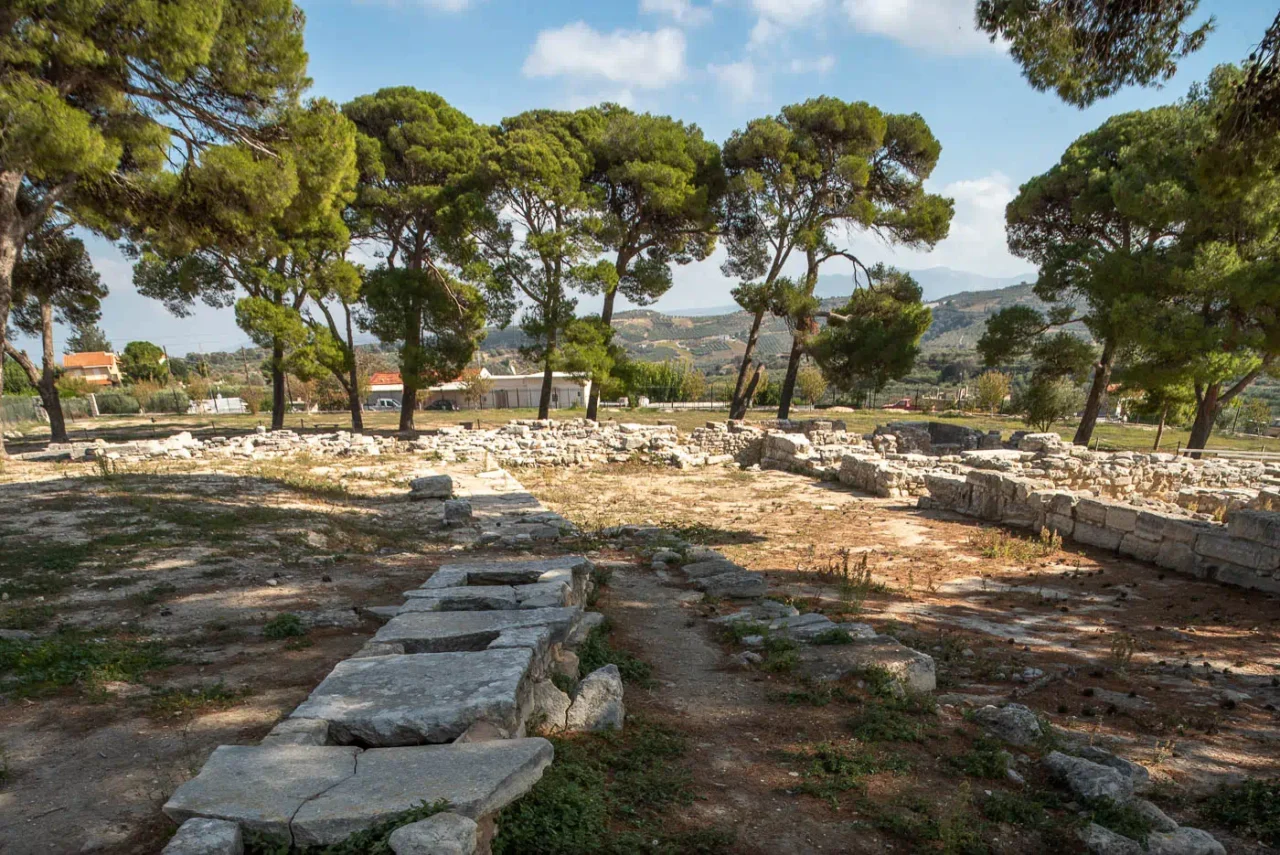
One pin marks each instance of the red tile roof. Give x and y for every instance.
(92, 359)
(385, 378)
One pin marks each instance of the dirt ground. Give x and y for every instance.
(159, 589)
(1144, 663)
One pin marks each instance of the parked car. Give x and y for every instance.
(442, 404)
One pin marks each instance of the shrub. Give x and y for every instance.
(168, 401)
(284, 625)
(117, 404)
(1251, 808)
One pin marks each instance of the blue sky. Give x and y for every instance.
(717, 63)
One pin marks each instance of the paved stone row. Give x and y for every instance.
(439, 705)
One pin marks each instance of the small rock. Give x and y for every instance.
(1184, 841)
(442, 834)
(1103, 841)
(1013, 723)
(431, 487)
(1159, 820)
(549, 704)
(597, 704)
(457, 512)
(746, 658)
(1088, 780)
(201, 836)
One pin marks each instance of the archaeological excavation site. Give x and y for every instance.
(569, 636)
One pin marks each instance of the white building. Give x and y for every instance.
(505, 391)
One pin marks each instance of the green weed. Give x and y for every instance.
(608, 793)
(184, 703)
(1251, 808)
(284, 625)
(74, 657)
(832, 770)
(596, 652)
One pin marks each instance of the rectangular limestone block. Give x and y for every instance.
(1259, 526)
(1141, 548)
(1246, 553)
(1095, 535)
(1092, 511)
(1185, 530)
(1063, 504)
(1230, 574)
(475, 778)
(1121, 518)
(1061, 524)
(1178, 557)
(1152, 525)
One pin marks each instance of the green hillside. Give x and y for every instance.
(714, 343)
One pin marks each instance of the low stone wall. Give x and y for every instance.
(1244, 551)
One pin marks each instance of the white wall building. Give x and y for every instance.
(506, 391)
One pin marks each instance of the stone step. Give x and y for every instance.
(574, 570)
(315, 795)
(538, 595)
(443, 632)
(420, 698)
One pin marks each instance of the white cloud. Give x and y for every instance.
(739, 80)
(681, 11)
(778, 16)
(942, 26)
(648, 60)
(976, 241)
(820, 65)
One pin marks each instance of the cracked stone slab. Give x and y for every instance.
(538, 595)
(420, 698)
(443, 632)
(914, 670)
(261, 786)
(476, 778)
(524, 571)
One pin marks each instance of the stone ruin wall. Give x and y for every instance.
(1209, 518)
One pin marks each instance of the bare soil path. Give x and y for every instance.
(738, 735)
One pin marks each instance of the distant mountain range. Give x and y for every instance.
(714, 340)
(935, 282)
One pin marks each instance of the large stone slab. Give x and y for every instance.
(260, 786)
(914, 670)
(476, 778)
(522, 571)
(445, 632)
(461, 599)
(420, 698)
(740, 585)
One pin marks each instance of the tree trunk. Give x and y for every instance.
(544, 399)
(9, 249)
(1206, 414)
(1164, 411)
(278, 393)
(48, 376)
(1093, 405)
(606, 317)
(49, 398)
(789, 382)
(738, 407)
(750, 391)
(353, 389)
